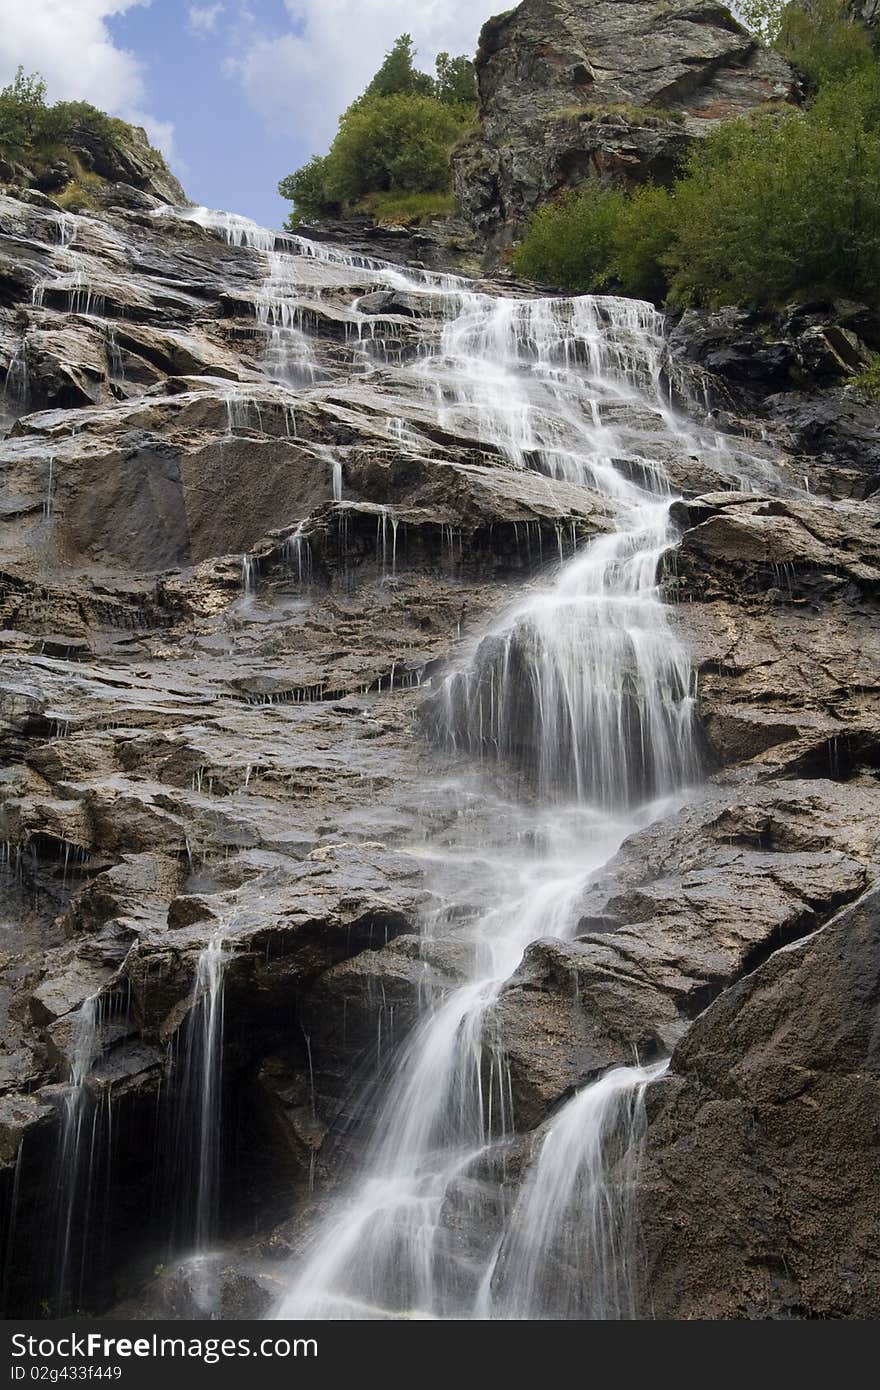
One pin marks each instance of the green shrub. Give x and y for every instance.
(784, 206)
(307, 190)
(869, 379)
(39, 136)
(646, 232)
(67, 120)
(22, 113)
(398, 143)
(601, 239)
(398, 73)
(395, 139)
(572, 243)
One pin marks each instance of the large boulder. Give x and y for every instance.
(759, 1189)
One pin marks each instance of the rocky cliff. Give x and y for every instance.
(576, 88)
(90, 154)
(244, 536)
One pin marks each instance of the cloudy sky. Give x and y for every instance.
(236, 92)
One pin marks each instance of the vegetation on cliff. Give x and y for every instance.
(765, 209)
(70, 148)
(390, 156)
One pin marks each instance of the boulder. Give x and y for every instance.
(781, 1076)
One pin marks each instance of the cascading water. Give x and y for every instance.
(76, 1114)
(198, 1106)
(584, 687)
(288, 356)
(570, 1244)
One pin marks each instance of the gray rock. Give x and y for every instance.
(781, 1076)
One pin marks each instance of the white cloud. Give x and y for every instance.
(203, 18)
(70, 44)
(300, 81)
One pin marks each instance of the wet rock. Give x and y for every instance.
(794, 368)
(684, 909)
(838, 431)
(780, 1075)
(222, 591)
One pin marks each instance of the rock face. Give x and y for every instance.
(576, 88)
(781, 1075)
(794, 369)
(240, 530)
(118, 159)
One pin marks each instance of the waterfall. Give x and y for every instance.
(583, 686)
(581, 695)
(569, 1247)
(198, 1126)
(248, 576)
(288, 356)
(77, 1133)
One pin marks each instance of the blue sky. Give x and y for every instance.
(236, 92)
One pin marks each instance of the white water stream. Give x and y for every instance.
(583, 685)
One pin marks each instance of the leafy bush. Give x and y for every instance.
(395, 139)
(307, 190)
(456, 82)
(784, 206)
(646, 232)
(398, 73)
(69, 120)
(38, 135)
(22, 113)
(601, 239)
(573, 242)
(398, 143)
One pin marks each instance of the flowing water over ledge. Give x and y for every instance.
(584, 686)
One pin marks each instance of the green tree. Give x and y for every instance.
(456, 82)
(398, 73)
(644, 234)
(22, 112)
(398, 142)
(307, 190)
(394, 139)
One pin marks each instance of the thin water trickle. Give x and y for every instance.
(75, 1125)
(198, 1126)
